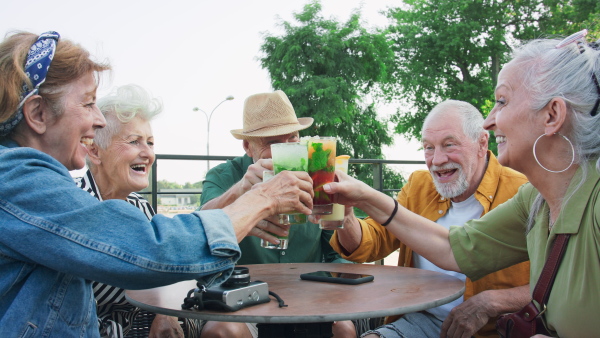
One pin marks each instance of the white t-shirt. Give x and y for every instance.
(458, 214)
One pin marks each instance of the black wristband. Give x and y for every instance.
(393, 213)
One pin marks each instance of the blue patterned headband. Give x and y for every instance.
(38, 61)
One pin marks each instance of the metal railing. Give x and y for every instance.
(376, 165)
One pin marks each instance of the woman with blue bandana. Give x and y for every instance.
(50, 247)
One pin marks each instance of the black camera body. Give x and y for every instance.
(235, 293)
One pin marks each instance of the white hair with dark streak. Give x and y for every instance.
(564, 72)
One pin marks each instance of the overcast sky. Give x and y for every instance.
(190, 54)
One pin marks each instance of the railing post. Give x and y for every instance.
(154, 178)
(378, 185)
(377, 176)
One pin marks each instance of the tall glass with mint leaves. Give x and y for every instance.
(292, 157)
(321, 168)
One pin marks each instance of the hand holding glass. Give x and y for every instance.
(292, 157)
(283, 240)
(336, 219)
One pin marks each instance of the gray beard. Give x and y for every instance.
(451, 189)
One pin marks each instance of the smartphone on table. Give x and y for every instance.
(337, 277)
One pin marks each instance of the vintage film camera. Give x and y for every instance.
(235, 293)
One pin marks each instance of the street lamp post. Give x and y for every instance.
(208, 117)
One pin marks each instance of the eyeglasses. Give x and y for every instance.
(579, 39)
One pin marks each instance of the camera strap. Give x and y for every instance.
(198, 303)
(281, 302)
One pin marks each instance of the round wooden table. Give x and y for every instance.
(394, 290)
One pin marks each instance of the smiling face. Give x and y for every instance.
(68, 133)
(455, 161)
(123, 167)
(260, 147)
(511, 120)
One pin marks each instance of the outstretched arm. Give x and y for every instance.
(351, 235)
(288, 191)
(424, 236)
(252, 176)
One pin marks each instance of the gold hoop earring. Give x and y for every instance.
(554, 171)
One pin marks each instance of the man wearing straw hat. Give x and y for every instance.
(268, 118)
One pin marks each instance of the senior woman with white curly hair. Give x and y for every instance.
(119, 162)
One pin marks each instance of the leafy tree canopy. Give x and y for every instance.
(568, 17)
(329, 70)
(454, 49)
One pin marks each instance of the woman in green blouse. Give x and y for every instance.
(547, 125)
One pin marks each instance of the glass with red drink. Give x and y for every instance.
(321, 168)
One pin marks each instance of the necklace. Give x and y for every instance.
(550, 221)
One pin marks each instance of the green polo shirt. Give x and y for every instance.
(307, 243)
(498, 240)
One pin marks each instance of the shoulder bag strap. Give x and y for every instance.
(541, 292)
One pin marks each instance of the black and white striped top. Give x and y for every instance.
(115, 314)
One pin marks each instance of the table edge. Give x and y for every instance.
(231, 317)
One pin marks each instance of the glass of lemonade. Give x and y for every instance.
(321, 168)
(292, 157)
(283, 240)
(336, 219)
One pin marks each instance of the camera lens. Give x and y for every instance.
(239, 277)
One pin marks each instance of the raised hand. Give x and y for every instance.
(267, 228)
(254, 174)
(288, 191)
(348, 190)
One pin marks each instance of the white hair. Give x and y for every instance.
(471, 118)
(121, 106)
(565, 72)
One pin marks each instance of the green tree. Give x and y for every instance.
(568, 17)
(164, 184)
(454, 49)
(329, 70)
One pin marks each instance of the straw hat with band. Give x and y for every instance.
(270, 114)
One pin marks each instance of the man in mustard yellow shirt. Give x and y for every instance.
(464, 181)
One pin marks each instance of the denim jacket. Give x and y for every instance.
(55, 238)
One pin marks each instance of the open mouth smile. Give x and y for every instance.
(445, 173)
(141, 168)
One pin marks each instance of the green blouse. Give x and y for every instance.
(498, 240)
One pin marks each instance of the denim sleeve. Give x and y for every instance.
(45, 219)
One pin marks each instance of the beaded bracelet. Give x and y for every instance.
(393, 214)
